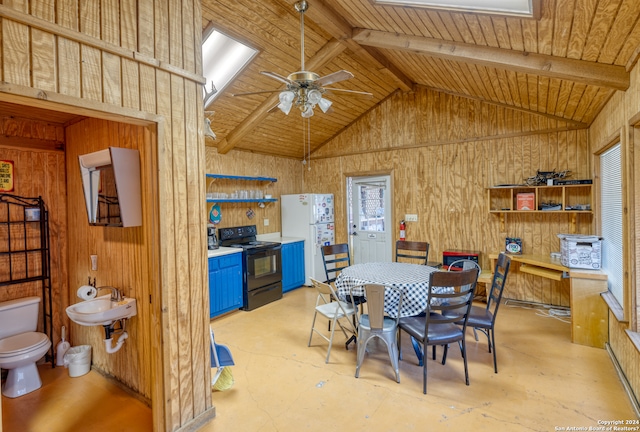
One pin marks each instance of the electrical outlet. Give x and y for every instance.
(266, 222)
(411, 218)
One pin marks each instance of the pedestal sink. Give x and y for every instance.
(101, 311)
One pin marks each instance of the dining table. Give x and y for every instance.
(411, 279)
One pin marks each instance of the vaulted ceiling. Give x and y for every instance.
(564, 65)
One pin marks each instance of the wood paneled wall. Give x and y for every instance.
(442, 151)
(41, 173)
(621, 118)
(135, 62)
(123, 261)
(288, 172)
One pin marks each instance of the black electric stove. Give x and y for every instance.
(261, 265)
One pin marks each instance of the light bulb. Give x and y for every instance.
(286, 97)
(314, 96)
(324, 104)
(308, 112)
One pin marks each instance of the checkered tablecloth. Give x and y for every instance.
(412, 279)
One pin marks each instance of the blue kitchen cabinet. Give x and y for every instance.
(292, 265)
(225, 284)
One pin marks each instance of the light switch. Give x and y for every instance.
(411, 218)
(94, 262)
(266, 222)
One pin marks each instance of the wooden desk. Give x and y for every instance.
(589, 313)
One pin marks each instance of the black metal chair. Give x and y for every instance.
(335, 258)
(413, 250)
(449, 302)
(484, 318)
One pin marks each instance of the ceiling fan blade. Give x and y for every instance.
(349, 92)
(256, 92)
(277, 77)
(334, 78)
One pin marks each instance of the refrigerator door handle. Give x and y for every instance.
(315, 241)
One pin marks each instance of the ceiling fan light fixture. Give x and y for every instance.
(285, 108)
(307, 112)
(324, 104)
(314, 96)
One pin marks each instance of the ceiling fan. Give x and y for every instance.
(305, 89)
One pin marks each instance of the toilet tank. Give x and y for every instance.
(18, 316)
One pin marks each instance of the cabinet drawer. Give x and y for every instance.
(225, 261)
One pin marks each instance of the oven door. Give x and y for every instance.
(264, 267)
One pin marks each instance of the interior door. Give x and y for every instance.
(369, 210)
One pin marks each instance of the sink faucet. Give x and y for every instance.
(116, 295)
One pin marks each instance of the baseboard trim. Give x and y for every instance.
(623, 378)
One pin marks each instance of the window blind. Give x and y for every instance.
(611, 216)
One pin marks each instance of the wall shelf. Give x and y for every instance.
(211, 178)
(26, 253)
(241, 178)
(503, 200)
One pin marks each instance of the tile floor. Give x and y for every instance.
(544, 382)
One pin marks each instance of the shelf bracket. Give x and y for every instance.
(502, 222)
(573, 223)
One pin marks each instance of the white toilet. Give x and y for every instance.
(21, 346)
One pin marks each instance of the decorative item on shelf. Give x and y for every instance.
(513, 245)
(542, 177)
(550, 206)
(215, 215)
(526, 201)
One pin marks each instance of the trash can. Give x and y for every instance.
(78, 360)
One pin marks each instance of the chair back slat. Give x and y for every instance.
(375, 305)
(413, 250)
(450, 296)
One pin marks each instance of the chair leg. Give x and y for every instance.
(361, 348)
(444, 354)
(464, 357)
(493, 343)
(475, 334)
(312, 327)
(424, 377)
(333, 329)
(393, 356)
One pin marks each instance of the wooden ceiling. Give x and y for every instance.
(564, 65)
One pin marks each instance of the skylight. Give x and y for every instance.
(521, 8)
(222, 59)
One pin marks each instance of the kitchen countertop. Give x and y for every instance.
(276, 237)
(223, 251)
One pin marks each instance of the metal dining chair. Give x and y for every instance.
(338, 313)
(484, 318)
(449, 302)
(375, 324)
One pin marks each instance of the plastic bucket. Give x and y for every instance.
(78, 360)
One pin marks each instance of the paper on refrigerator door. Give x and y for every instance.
(325, 234)
(322, 208)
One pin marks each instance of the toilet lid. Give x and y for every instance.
(22, 342)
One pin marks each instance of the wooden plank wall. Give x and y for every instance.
(40, 172)
(288, 172)
(121, 252)
(442, 151)
(620, 117)
(138, 61)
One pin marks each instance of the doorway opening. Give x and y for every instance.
(369, 221)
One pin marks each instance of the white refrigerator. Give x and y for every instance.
(309, 216)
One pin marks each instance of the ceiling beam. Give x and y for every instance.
(327, 53)
(585, 72)
(333, 23)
